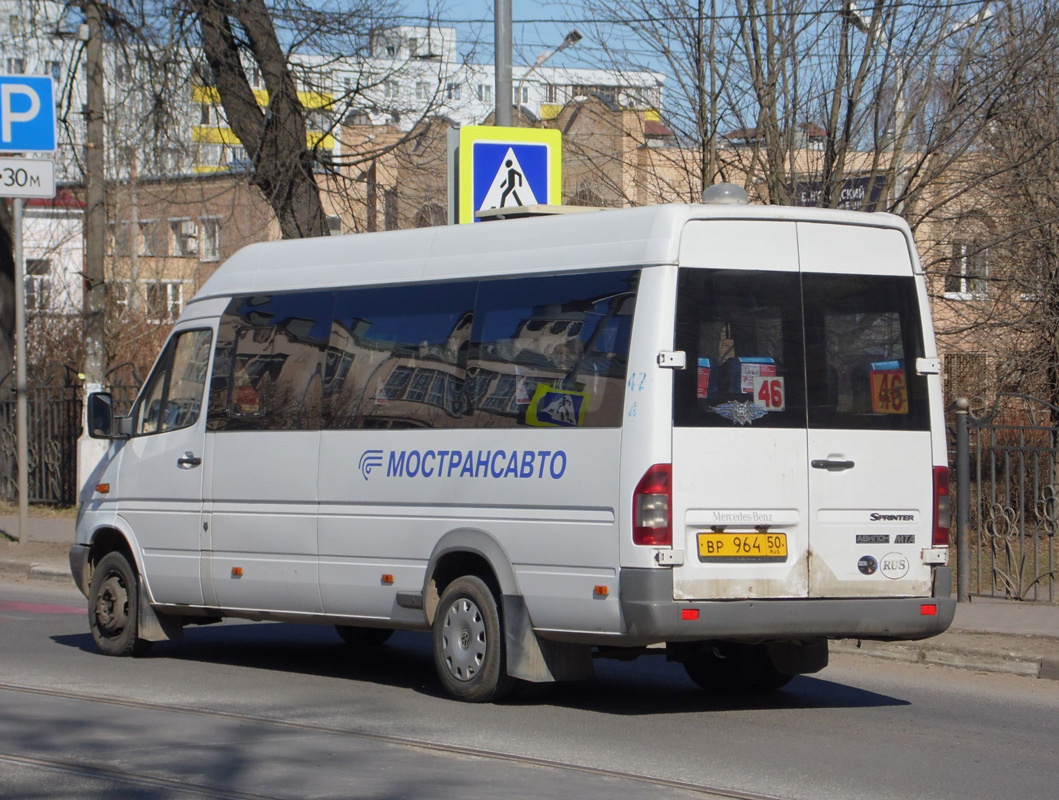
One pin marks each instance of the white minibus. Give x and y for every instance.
(709, 431)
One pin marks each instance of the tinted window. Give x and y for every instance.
(270, 363)
(172, 396)
(396, 357)
(863, 336)
(551, 351)
(741, 333)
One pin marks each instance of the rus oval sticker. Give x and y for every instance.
(894, 566)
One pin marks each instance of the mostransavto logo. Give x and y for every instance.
(491, 464)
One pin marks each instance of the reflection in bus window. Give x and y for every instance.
(271, 362)
(172, 396)
(403, 347)
(551, 351)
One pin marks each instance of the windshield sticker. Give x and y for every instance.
(739, 413)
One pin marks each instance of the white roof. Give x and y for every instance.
(646, 236)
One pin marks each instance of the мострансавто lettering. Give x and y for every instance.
(526, 464)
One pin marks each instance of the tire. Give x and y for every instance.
(733, 668)
(363, 637)
(469, 643)
(113, 608)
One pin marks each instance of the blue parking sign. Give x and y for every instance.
(27, 114)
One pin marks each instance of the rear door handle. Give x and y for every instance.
(830, 465)
(189, 460)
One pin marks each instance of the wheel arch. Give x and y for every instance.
(467, 551)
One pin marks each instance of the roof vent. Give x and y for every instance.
(725, 194)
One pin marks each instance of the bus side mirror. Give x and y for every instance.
(102, 424)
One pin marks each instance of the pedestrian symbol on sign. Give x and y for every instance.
(509, 186)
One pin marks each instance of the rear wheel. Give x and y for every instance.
(363, 637)
(468, 642)
(113, 608)
(728, 667)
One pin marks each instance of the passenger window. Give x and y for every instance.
(172, 396)
(742, 338)
(272, 353)
(551, 351)
(397, 355)
(863, 336)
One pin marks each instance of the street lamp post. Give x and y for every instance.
(573, 37)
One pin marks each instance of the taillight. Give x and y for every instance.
(652, 522)
(942, 508)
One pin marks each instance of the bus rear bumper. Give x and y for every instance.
(651, 614)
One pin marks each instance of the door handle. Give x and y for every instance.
(830, 465)
(189, 460)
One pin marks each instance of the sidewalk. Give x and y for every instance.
(987, 635)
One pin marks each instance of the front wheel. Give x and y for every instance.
(468, 643)
(113, 608)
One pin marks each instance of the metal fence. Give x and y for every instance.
(53, 421)
(1007, 499)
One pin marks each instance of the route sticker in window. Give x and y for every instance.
(889, 389)
(769, 393)
(751, 368)
(702, 388)
(556, 408)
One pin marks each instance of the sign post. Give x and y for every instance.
(27, 124)
(493, 168)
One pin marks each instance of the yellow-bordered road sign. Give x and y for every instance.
(508, 167)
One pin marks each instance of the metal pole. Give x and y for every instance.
(95, 217)
(502, 36)
(963, 502)
(21, 406)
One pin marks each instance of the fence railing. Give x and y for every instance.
(53, 418)
(1007, 500)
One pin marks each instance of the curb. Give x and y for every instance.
(1007, 663)
(39, 572)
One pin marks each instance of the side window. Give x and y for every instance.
(741, 333)
(551, 351)
(172, 396)
(863, 335)
(396, 357)
(270, 366)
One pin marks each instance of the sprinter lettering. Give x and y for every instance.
(496, 464)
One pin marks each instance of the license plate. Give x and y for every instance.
(746, 547)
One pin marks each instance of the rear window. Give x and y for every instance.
(779, 349)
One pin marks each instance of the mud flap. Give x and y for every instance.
(153, 627)
(536, 660)
(798, 658)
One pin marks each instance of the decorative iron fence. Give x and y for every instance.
(1008, 468)
(53, 422)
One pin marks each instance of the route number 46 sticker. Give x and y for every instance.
(769, 393)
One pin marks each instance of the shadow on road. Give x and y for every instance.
(647, 686)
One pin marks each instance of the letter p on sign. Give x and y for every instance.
(27, 114)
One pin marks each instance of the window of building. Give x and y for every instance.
(183, 237)
(968, 271)
(154, 239)
(210, 239)
(525, 95)
(424, 90)
(485, 92)
(38, 284)
(453, 91)
(165, 300)
(16, 66)
(55, 69)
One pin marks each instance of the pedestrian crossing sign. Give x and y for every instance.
(507, 167)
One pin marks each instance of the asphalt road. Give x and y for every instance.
(245, 710)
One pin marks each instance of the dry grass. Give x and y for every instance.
(39, 510)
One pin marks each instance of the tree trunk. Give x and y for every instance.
(274, 136)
